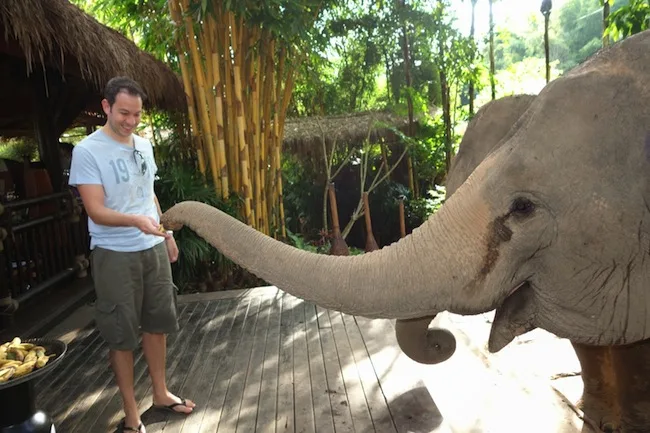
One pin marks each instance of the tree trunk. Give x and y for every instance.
(409, 100)
(472, 30)
(606, 10)
(492, 67)
(546, 48)
(446, 105)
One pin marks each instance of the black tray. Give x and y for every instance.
(57, 347)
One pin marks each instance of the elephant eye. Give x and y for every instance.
(522, 206)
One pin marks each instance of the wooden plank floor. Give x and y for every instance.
(253, 361)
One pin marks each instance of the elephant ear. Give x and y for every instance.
(491, 126)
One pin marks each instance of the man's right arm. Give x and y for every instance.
(93, 200)
(85, 175)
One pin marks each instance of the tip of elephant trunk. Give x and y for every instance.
(423, 344)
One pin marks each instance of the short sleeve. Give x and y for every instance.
(83, 168)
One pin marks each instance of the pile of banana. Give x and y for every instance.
(18, 359)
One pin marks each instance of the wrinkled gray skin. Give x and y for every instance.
(552, 228)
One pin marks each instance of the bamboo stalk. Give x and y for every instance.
(218, 97)
(203, 110)
(265, 138)
(187, 85)
(241, 124)
(276, 173)
(233, 161)
(258, 167)
(214, 128)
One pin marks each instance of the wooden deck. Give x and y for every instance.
(263, 361)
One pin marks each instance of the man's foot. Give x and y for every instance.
(175, 404)
(124, 427)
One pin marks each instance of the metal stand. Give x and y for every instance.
(19, 414)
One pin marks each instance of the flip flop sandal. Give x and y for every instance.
(170, 407)
(122, 427)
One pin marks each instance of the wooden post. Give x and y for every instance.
(371, 243)
(339, 247)
(402, 223)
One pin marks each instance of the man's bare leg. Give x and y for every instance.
(122, 364)
(154, 347)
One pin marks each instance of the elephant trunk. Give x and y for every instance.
(436, 268)
(424, 345)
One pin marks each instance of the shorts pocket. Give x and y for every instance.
(108, 322)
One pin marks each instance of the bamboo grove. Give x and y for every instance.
(238, 82)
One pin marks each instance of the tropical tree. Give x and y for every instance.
(545, 9)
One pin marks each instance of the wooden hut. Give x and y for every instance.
(54, 63)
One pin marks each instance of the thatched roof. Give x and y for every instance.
(57, 35)
(304, 136)
(352, 127)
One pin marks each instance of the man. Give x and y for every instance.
(114, 170)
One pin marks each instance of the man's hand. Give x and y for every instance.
(149, 226)
(172, 249)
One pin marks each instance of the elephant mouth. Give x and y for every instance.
(515, 316)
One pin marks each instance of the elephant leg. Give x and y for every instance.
(599, 397)
(632, 366)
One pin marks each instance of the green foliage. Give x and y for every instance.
(418, 210)
(146, 22)
(319, 246)
(629, 19)
(303, 197)
(19, 149)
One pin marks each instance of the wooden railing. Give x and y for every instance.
(43, 241)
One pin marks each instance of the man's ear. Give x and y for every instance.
(106, 106)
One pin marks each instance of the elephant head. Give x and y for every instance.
(552, 227)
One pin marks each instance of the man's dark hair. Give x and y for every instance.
(122, 84)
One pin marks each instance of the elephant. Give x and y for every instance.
(547, 222)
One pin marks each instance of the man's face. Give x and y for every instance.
(124, 116)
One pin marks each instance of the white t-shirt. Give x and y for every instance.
(127, 175)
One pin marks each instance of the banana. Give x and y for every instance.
(24, 369)
(7, 363)
(6, 373)
(31, 356)
(40, 351)
(25, 346)
(16, 341)
(3, 352)
(42, 360)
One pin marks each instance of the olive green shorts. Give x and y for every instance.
(135, 293)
